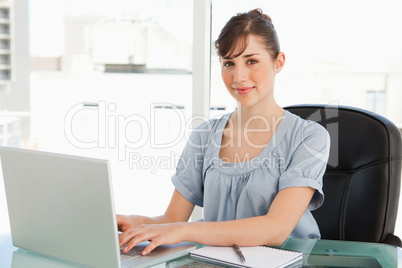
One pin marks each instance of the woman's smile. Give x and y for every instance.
(243, 90)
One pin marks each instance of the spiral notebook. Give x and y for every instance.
(260, 256)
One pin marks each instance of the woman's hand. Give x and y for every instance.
(157, 234)
(127, 222)
(164, 229)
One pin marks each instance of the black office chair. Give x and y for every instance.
(363, 177)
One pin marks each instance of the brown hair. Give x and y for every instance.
(240, 26)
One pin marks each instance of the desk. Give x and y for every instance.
(316, 253)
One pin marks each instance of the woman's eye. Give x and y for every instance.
(251, 61)
(227, 64)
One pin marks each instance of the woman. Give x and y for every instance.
(257, 171)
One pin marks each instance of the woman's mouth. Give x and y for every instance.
(243, 90)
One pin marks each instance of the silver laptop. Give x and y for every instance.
(62, 206)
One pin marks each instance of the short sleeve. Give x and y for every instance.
(188, 178)
(306, 164)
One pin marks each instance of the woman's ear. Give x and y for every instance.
(280, 62)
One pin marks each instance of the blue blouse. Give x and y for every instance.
(296, 156)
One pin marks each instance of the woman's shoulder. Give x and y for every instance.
(306, 138)
(305, 131)
(305, 126)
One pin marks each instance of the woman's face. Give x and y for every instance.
(250, 77)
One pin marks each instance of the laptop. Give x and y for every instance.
(62, 206)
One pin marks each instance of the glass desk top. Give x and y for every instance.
(316, 253)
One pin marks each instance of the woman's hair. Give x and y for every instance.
(240, 27)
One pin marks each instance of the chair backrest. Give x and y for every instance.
(362, 181)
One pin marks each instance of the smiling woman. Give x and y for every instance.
(337, 52)
(250, 58)
(226, 166)
(252, 72)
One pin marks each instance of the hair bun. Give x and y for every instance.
(258, 12)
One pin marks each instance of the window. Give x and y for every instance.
(376, 101)
(111, 82)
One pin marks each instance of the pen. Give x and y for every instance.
(239, 253)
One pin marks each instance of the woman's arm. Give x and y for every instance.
(179, 210)
(271, 229)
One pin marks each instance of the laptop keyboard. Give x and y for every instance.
(132, 254)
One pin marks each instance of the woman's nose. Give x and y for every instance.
(240, 74)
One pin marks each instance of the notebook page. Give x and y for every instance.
(259, 256)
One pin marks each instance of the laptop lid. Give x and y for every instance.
(61, 206)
